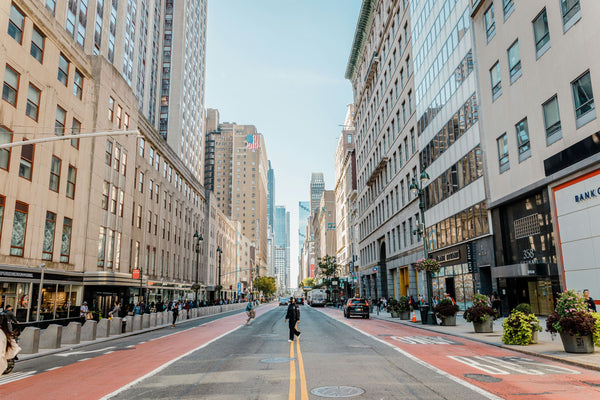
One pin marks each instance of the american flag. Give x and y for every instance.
(253, 142)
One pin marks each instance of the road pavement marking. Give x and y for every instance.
(511, 366)
(84, 359)
(52, 369)
(166, 365)
(71, 353)
(292, 392)
(453, 378)
(15, 376)
(423, 340)
(303, 390)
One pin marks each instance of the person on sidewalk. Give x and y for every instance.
(293, 316)
(10, 317)
(249, 312)
(8, 346)
(115, 311)
(590, 302)
(175, 311)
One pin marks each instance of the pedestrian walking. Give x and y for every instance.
(590, 302)
(83, 310)
(496, 302)
(115, 311)
(175, 311)
(10, 318)
(250, 312)
(8, 346)
(293, 316)
(137, 310)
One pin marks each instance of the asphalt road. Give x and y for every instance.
(257, 362)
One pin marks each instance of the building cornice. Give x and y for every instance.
(362, 29)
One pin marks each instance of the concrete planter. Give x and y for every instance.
(576, 343)
(484, 327)
(449, 320)
(405, 315)
(394, 314)
(534, 336)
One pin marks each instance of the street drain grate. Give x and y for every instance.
(277, 360)
(483, 378)
(337, 391)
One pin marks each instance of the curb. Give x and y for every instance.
(575, 363)
(115, 337)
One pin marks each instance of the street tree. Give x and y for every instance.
(265, 284)
(308, 282)
(328, 266)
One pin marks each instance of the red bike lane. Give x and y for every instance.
(102, 375)
(501, 372)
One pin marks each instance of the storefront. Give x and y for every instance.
(526, 271)
(56, 294)
(456, 274)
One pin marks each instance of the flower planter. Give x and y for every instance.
(576, 343)
(534, 336)
(449, 320)
(484, 327)
(394, 314)
(405, 315)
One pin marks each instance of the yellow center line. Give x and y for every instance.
(292, 393)
(303, 390)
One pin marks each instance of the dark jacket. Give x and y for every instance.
(293, 313)
(591, 304)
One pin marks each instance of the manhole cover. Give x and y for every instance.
(337, 391)
(277, 360)
(483, 378)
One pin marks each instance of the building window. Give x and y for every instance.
(26, 165)
(11, 85)
(108, 153)
(583, 97)
(117, 159)
(111, 108)
(15, 23)
(514, 61)
(141, 182)
(541, 33)
(502, 142)
(113, 199)
(509, 6)
(71, 180)
(125, 121)
(496, 81)
(5, 138)
(75, 130)
(78, 84)
(65, 248)
(37, 45)
(139, 216)
(2, 201)
(490, 23)
(523, 140)
(105, 191)
(552, 120)
(121, 202)
(59, 123)
(63, 69)
(151, 158)
(17, 241)
(33, 102)
(51, 5)
(48, 246)
(571, 12)
(123, 163)
(119, 112)
(101, 246)
(55, 174)
(142, 145)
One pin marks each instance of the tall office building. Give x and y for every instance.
(236, 170)
(317, 186)
(282, 243)
(162, 61)
(303, 216)
(540, 135)
(449, 142)
(380, 69)
(270, 196)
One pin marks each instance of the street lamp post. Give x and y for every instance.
(417, 188)
(220, 251)
(198, 238)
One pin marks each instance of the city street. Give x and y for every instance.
(220, 358)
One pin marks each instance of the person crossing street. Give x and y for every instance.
(293, 316)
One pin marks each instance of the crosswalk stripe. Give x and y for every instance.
(15, 376)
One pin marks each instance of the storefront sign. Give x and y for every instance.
(13, 274)
(450, 256)
(135, 274)
(455, 255)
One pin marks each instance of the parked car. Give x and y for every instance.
(283, 301)
(356, 307)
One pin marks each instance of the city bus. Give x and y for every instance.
(317, 297)
(299, 296)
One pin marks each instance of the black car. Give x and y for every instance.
(356, 307)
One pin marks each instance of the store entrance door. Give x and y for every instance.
(450, 289)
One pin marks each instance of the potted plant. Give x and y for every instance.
(575, 324)
(392, 308)
(446, 311)
(403, 308)
(481, 314)
(521, 327)
(427, 265)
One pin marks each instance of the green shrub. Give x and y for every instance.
(518, 328)
(445, 308)
(524, 308)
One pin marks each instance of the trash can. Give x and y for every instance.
(424, 308)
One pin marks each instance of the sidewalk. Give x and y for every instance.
(547, 347)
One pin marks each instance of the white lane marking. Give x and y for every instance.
(108, 352)
(52, 369)
(130, 346)
(474, 388)
(84, 359)
(511, 366)
(15, 376)
(72, 353)
(165, 365)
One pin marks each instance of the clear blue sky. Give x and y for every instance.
(279, 65)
